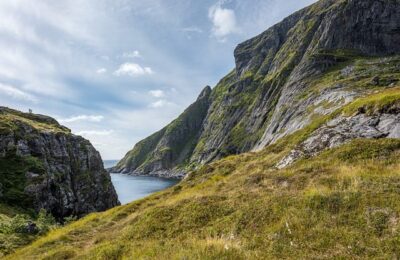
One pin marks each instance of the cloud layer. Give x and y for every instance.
(82, 118)
(16, 94)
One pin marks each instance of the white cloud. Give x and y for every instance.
(224, 21)
(160, 103)
(87, 118)
(157, 93)
(17, 94)
(101, 70)
(133, 69)
(192, 29)
(95, 133)
(132, 54)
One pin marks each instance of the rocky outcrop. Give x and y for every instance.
(43, 165)
(305, 66)
(342, 129)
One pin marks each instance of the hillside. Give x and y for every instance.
(313, 62)
(343, 202)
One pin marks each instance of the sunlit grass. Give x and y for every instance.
(341, 203)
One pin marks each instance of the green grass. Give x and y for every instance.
(343, 203)
(11, 119)
(379, 102)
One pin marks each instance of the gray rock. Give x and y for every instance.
(31, 228)
(344, 129)
(375, 81)
(347, 71)
(73, 180)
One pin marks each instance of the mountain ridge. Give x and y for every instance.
(249, 107)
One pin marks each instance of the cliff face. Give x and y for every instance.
(43, 165)
(312, 63)
(160, 153)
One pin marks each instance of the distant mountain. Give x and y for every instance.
(284, 78)
(109, 163)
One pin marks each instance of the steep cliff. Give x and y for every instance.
(313, 62)
(44, 166)
(160, 153)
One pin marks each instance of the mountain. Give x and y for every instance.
(44, 166)
(283, 79)
(315, 102)
(173, 145)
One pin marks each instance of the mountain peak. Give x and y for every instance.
(205, 92)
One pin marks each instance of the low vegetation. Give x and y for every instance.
(380, 102)
(11, 119)
(19, 227)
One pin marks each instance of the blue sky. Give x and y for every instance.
(115, 71)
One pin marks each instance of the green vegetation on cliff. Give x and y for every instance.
(13, 170)
(10, 120)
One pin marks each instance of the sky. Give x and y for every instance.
(115, 71)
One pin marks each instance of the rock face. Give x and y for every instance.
(305, 66)
(342, 129)
(43, 165)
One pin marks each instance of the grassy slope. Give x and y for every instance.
(343, 203)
